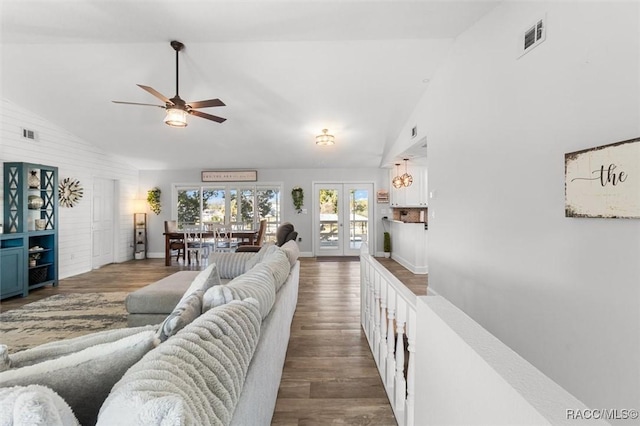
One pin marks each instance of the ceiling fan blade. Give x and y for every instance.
(207, 104)
(155, 93)
(136, 103)
(207, 116)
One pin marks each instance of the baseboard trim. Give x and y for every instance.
(420, 270)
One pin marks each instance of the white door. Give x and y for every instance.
(342, 213)
(103, 220)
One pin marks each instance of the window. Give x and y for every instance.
(241, 206)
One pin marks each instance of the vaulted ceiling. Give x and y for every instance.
(285, 69)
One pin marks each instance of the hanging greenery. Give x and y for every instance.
(153, 198)
(297, 194)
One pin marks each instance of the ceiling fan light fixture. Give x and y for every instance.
(176, 117)
(325, 139)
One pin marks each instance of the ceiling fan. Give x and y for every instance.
(177, 109)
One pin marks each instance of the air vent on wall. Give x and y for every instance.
(29, 134)
(532, 36)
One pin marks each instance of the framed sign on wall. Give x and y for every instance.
(604, 181)
(229, 175)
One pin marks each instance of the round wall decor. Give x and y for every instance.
(69, 192)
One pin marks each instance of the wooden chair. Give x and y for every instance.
(257, 243)
(171, 227)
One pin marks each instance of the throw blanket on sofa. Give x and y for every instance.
(195, 377)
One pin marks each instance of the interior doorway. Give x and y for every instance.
(343, 217)
(102, 224)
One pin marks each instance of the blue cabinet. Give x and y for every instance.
(12, 266)
(29, 245)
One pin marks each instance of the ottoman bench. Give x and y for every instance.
(151, 304)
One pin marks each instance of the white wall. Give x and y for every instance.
(78, 159)
(289, 179)
(562, 292)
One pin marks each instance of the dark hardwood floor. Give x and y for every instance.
(329, 375)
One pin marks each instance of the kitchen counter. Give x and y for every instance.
(407, 223)
(409, 244)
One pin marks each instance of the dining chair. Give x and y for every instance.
(257, 243)
(194, 243)
(223, 240)
(175, 244)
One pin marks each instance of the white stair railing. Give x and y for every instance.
(388, 317)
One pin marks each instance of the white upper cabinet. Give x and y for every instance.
(415, 195)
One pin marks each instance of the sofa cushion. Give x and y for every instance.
(259, 256)
(188, 309)
(278, 264)
(60, 348)
(230, 265)
(34, 405)
(195, 377)
(291, 249)
(5, 361)
(206, 279)
(161, 296)
(258, 283)
(83, 379)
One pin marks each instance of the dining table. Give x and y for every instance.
(246, 236)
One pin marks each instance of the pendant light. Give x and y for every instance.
(397, 181)
(407, 179)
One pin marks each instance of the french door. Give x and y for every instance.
(342, 213)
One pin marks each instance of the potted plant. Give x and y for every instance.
(153, 198)
(387, 244)
(297, 194)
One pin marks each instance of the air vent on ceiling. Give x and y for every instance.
(29, 134)
(532, 36)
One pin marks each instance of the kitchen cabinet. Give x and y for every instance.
(415, 195)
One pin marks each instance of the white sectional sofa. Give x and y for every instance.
(217, 358)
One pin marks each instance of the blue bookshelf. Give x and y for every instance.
(29, 245)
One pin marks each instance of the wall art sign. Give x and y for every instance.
(230, 176)
(382, 196)
(603, 181)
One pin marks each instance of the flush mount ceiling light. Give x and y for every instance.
(325, 139)
(397, 181)
(407, 179)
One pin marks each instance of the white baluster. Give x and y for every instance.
(391, 366)
(411, 371)
(376, 321)
(372, 312)
(368, 301)
(401, 385)
(383, 327)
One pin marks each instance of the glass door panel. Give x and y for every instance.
(342, 216)
(358, 217)
(329, 240)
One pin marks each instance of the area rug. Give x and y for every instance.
(61, 316)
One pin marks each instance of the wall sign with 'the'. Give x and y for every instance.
(604, 181)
